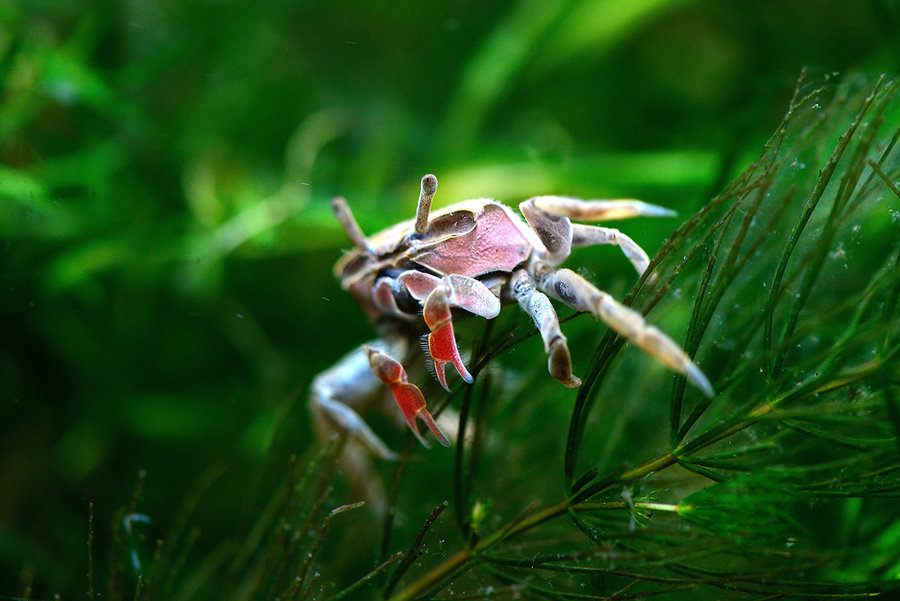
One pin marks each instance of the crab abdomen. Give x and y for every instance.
(497, 243)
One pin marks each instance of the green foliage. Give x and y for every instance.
(165, 252)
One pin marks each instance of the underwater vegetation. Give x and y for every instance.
(785, 287)
(166, 247)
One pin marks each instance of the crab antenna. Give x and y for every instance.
(426, 194)
(342, 211)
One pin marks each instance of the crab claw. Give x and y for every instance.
(408, 396)
(441, 341)
(442, 346)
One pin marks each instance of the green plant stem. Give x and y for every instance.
(650, 467)
(435, 576)
(368, 577)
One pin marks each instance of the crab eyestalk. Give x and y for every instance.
(426, 194)
(344, 215)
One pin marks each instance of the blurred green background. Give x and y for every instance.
(166, 293)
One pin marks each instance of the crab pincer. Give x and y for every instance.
(441, 340)
(408, 396)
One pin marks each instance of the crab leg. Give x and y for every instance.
(333, 396)
(537, 305)
(589, 235)
(581, 295)
(549, 217)
(465, 292)
(594, 210)
(408, 396)
(336, 391)
(385, 295)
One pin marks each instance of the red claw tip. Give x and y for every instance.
(442, 346)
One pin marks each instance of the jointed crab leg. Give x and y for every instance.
(383, 296)
(595, 210)
(537, 305)
(440, 294)
(408, 396)
(581, 295)
(549, 217)
(589, 235)
(464, 292)
(334, 394)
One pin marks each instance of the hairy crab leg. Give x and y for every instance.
(595, 210)
(589, 235)
(581, 295)
(336, 391)
(549, 217)
(408, 396)
(538, 306)
(334, 396)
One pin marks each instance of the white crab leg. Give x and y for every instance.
(465, 292)
(589, 235)
(537, 305)
(384, 298)
(595, 210)
(471, 295)
(334, 393)
(581, 295)
(549, 217)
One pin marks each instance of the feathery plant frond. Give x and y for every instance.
(786, 286)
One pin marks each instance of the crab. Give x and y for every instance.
(474, 256)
